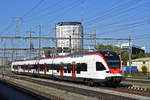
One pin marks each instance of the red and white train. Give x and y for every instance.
(91, 67)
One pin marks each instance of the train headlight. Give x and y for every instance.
(108, 72)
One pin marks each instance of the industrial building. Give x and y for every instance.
(3, 61)
(135, 49)
(141, 62)
(69, 30)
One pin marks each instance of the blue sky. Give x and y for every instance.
(110, 18)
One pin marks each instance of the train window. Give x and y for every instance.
(13, 66)
(69, 68)
(42, 67)
(22, 66)
(36, 67)
(52, 66)
(30, 67)
(83, 67)
(65, 68)
(48, 67)
(26, 67)
(57, 67)
(78, 67)
(100, 66)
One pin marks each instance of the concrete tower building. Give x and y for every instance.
(69, 30)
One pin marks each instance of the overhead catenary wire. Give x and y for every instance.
(127, 19)
(24, 15)
(65, 11)
(10, 25)
(54, 11)
(112, 11)
(37, 13)
(129, 27)
(33, 8)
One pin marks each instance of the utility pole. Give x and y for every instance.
(130, 52)
(121, 58)
(70, 44)
(94, 38)
(39, 40)
(17, 19)
(4, 57)
(12, 56)
(31, 43)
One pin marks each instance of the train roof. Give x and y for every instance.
(102, 52)
(75, 54)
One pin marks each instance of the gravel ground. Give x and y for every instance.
(49, 92)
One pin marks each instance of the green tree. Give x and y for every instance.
(147, 55)
(79, 50)
(125, 58)
(134, 56)
(47, 53)
(141, 54)
(144, 69)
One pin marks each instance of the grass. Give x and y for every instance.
(138, 76)
(6, 68)
(143, 86)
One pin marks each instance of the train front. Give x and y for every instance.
(113, 61)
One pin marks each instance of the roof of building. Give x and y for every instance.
(68, 23)
(142, 59)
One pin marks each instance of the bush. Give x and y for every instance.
(144, 69)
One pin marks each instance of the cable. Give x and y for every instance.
(8, 27)
(28, 12)
(55, 11)
(112, 11)
(33, 8)
(128, 19)
(114, 14)
(46, 8)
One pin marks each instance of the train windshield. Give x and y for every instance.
(112, 60)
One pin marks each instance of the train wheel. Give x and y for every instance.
(90, 83)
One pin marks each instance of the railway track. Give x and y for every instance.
(101, 96)
(130, 89)
(86, 92)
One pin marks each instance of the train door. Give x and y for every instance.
(17, 68)
(24, 67)
(73, 69)
(28, 67)
(61, 69)
(38, 69)
(45, 68)
(14, 67)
